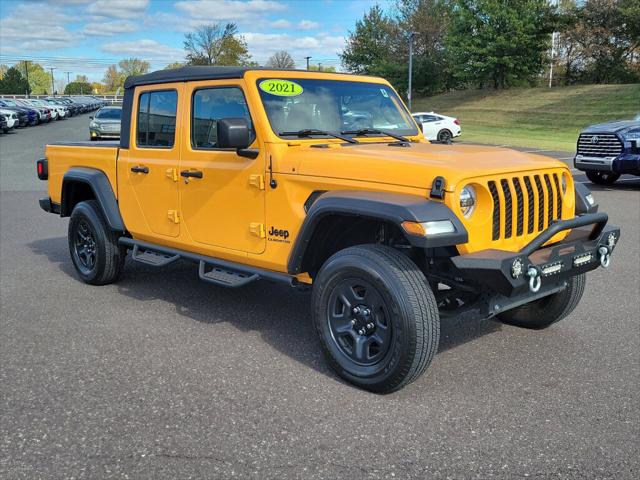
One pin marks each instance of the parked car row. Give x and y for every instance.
(23, 112)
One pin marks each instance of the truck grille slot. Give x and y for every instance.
(520, 207)
(531, 202)
(599, 145)
(496, 210)
(508, 211)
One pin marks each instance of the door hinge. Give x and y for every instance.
(257, 181)
(173, 216)
(257, 229)
(172, 173)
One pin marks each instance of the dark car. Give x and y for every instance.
(23, 117)
(33, 116)
(608, 150)
(106, 123)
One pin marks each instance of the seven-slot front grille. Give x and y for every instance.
(599, 145)
(530, 202)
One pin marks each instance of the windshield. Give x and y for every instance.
(109, 113)
(333, 106)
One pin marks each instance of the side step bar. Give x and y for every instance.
(210, 269)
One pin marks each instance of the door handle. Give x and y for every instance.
(138, 169)
(191, 173)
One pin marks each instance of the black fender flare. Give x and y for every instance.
(98, 182)
(388, 207)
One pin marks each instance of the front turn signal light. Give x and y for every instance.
(427, 229)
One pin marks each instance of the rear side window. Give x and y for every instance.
(209, 106)
(157, 119)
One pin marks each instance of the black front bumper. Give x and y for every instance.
(496, 272)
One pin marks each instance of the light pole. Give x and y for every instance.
(307, 59)
(53, 88)
(411, 35)
(68, 81)
(26, 74)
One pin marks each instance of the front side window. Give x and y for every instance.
(299, 104)
(211, 105)
(157, 118)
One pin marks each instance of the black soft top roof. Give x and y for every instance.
(194, 72)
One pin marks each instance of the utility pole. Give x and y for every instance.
(319, 66)
(26, 74)
(411, 35)
(68, 81)
(53, 87)
(307, 59)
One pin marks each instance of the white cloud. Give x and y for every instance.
(308, 25)
(280, 24)
(36, 26)
(263, 45)
(150, 50)
(107, 29)
(126, 9)
(211, 11)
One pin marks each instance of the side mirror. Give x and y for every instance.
(233, 133)
(90, 118)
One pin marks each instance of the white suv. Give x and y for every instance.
(11, 116)
(438, 127)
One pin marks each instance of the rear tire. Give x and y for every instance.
(379, 291)
(445, 136)
(548, 310)
(602, 178)
(93, 246)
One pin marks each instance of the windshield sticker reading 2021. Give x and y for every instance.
(281, 88)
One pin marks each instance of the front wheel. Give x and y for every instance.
(602, 178)
(542, 313)
(376, 317)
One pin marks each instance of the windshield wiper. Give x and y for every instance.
(374, 131)
(312, 131)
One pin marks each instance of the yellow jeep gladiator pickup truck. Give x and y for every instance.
(324, 179)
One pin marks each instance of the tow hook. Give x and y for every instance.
(605, 256)
(535, 280)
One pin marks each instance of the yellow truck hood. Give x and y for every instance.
(414, 166)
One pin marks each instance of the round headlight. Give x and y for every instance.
(467, 200)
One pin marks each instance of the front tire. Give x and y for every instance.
(376, 317)
(542, 313)
(93, 246)
(602, 178)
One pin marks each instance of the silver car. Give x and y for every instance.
(106, 123)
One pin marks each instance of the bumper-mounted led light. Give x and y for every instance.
(517, 268)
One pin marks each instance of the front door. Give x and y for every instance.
(148, 170)
(222, 199)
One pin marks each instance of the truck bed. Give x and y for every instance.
(65, 155)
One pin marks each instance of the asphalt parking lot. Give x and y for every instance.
(163, 376)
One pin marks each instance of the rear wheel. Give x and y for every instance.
(93, 246)
(548, 310)
(602, 178)
(376, 317)
(444, 136)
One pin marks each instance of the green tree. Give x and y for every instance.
(133, 66)
(39, 78)
(13, 82)
(216, 44)
(78, 88)
(174, 65)
(498, 42)
(113, 79)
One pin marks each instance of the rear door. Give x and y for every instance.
(148, 170)
(224, 206)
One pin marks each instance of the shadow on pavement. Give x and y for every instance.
(281, 314)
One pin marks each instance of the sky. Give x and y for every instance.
(85, 36)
